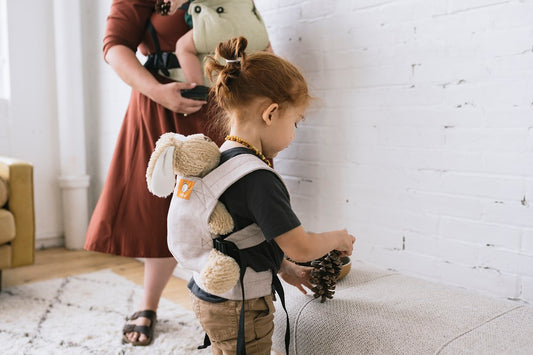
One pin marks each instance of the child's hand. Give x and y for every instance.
(346, 241)
(296, 275)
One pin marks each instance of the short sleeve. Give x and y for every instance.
(126, 23)
(269, 204)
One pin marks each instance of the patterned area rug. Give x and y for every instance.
(84, 314)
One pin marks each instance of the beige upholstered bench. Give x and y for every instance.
(379, 312)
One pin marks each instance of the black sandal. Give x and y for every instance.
(147, 330)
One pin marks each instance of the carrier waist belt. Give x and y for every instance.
(162, 60)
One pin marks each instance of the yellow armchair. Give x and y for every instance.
(17, 214)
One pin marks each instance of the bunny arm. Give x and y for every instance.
(220, 221)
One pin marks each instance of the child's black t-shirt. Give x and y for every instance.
(259, 197)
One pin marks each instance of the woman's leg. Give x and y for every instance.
(157, 272)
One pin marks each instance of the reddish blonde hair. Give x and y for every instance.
(252, 76)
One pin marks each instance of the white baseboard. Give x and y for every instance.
(49, 242)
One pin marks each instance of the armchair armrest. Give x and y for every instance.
(19, 175)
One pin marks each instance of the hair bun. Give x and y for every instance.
(233, 49)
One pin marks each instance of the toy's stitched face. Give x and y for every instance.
(215, 21)
(219, 7)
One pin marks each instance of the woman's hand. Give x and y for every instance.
(169, 96)
(296, 275)
(129, 69)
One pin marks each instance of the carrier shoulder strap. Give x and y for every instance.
(232, 170)
(159, 60)
(218, 181)
(153, 33)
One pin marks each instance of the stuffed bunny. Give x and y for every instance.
(194, 155)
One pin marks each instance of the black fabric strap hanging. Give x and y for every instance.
(241, 345)
(159, 60)
(248, 258)
(244, 261)
(232, 250)
(206, 344)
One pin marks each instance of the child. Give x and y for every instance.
(264, 97)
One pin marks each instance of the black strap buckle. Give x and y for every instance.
(162, 61)
(228, 248)
(232, 250)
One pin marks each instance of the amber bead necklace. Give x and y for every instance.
(249, 146)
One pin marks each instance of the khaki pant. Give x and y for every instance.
(221, 322)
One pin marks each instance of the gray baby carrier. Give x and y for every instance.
(190, 241)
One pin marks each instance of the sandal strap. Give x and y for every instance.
(149, 314)
(144, 329)
(128, 328)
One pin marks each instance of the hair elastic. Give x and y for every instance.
(228, 61)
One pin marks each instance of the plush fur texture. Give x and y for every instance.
(194, 155)
(220, 274)
(220, 221)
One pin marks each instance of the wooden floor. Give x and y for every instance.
(60, 262)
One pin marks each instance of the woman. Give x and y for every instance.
(128, 220)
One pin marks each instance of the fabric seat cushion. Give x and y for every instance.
(7, 226)
(4, 194)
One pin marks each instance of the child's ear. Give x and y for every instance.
(269, 113)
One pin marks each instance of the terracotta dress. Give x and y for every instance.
(128, 220)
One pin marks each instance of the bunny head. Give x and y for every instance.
(175, 154)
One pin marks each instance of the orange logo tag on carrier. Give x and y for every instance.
(184, 189)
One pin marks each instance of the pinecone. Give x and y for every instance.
(324, 275)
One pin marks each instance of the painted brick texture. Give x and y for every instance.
(420, 141)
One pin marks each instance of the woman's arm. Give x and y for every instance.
(125, 63)
(302, 246)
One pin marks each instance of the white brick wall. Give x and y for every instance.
(421, 142)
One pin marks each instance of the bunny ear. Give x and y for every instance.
(160, 171)
(162, 180)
